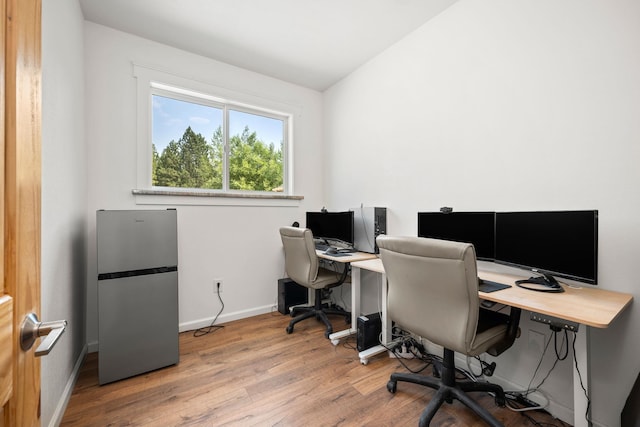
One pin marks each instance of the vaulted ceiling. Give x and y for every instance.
(312, 43)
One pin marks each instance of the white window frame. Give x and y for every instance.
(154, 82)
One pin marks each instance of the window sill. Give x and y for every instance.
(211, 198)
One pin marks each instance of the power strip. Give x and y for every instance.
(402, 354)
(524, 401)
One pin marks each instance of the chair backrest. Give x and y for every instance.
(300, 259)
(433, 288)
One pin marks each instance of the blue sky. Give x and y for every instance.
(171, 117)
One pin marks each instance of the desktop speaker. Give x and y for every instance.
(368, 332)
(368, 223)
(290, 294)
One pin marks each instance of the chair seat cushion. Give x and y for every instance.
(325, 278)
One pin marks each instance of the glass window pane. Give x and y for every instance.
(187, 144)
(255, 152)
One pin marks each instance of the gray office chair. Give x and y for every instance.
(301, 264)
(433, 293)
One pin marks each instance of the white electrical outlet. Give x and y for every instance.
(217, 286)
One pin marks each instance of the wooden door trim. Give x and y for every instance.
(6, 336)
(22, 196)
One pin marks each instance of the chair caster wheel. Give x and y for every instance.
(289, 329)
(392, 386)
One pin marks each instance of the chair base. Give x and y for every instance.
(448, 388)
(317, 311)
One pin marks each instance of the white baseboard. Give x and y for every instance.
(61, 407)
(237, 315)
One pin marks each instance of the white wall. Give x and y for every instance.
(239, 244)
(64, 199)
(508, 105)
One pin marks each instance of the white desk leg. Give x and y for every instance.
(386, 326)
(355, 296)
(386, 322)
(582, 357)
(355, 308)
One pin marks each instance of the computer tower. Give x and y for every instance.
(368, 332)
(368, 223)
(290, 294)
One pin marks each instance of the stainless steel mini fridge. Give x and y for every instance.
(137, 292)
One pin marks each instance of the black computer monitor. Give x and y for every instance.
(555, 243)
(468, 227)
(331, 225)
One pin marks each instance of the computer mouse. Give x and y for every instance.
(331, 251)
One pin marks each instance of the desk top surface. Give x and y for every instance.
(349, 257)
(584, 305)
(373, 264)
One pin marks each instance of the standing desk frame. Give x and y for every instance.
(589, 307)
(375, 265)
(349, 259)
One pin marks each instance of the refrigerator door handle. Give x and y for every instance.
(32, 329)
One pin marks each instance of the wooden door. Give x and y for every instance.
(20, 117)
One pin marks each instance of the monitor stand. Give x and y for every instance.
(543, 283)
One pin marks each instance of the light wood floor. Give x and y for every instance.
(251, 373)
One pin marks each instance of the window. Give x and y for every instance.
(199, 142)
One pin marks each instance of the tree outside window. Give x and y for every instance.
(207, 145)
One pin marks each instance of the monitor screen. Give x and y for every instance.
(468, 227)
(559, 243)
(331, 225)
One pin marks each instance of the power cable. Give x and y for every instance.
(211, 328)
(586, 394)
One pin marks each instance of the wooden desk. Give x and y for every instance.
(347, 258)
(589, 307)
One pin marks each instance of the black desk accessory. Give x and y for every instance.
(544, 283)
